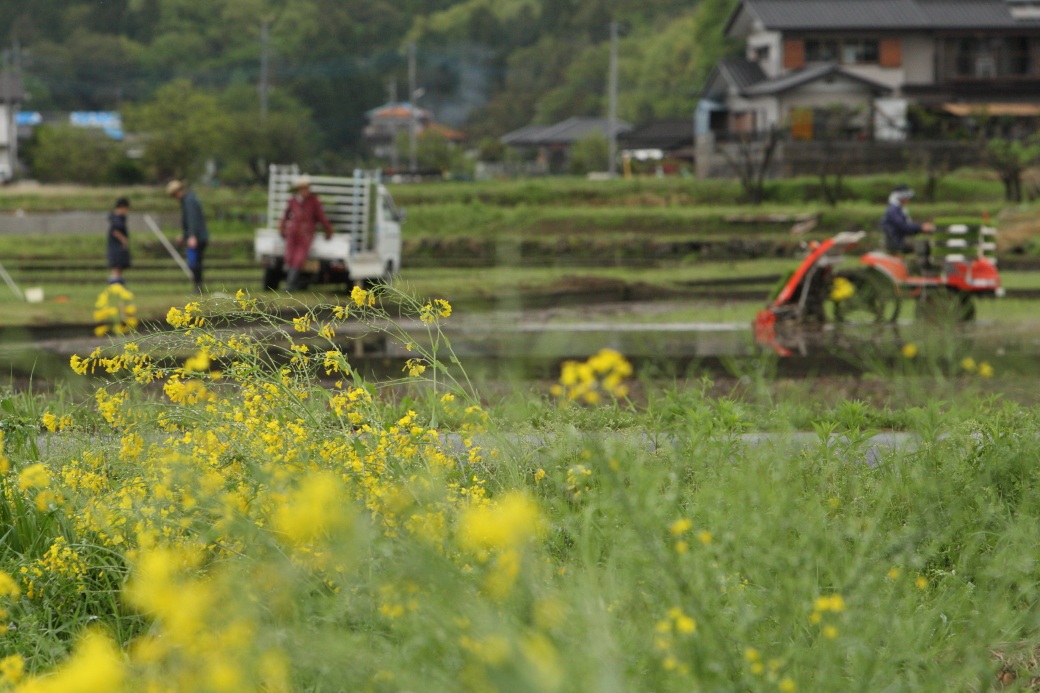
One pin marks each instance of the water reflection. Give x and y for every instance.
(916, 347)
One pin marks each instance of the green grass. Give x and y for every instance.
(681, 538)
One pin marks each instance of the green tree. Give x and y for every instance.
(674, 61)
(67, 154)
(253, 144)
(1010, 158)
(436, 151)
(584, 90)
(181, 128)
(286, 134)
(590, 153)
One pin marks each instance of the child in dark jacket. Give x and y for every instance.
(118, 242)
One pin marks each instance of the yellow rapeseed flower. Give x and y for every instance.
(681, 526)
(34, 476)
(909, 350)
(8, 586)
(842, 289)
(509, 523)
(361, 297)
(95, 666)
(315, 508)
(198, 363)
(12, 668)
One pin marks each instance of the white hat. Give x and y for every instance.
(301, 182)
(174, 186)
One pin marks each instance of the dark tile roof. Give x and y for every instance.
(741, 72)
(737, 73)
(806, 75)
(787, 15)
(565, 132)
(659, 134)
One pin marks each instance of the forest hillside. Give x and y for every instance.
(313, 68)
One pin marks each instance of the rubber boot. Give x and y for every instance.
(292, 280)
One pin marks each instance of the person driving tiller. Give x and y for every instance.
(899, 227)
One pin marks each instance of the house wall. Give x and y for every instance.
(766, 110)
(919, 60)
(822, 94)
(8, 142)
(772, 42)
(917, 64)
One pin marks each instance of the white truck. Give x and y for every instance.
(366, 247)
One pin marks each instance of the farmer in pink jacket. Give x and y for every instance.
(302, 215)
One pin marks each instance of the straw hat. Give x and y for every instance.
(301, 182)
(174, 186)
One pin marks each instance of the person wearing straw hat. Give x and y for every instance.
(302, 215)
(195, 235)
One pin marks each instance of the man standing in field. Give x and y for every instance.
(195, 235)
(303, 213)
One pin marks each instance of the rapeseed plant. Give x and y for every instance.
(246, 512)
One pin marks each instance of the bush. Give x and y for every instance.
(67, 154)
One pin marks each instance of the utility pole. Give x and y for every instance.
(395, 157)
(413, 120)
(612, 102)
(8, 134)
(264, 76)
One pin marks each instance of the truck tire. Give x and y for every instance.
(273, 276)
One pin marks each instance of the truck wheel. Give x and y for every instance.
(272, 277)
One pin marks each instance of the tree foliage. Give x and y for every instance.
(485, 66)
(1010, 158)
(182, 128)
(66, 154)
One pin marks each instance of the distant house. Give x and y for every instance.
(389, 121)
(876, 58)
(659, 139)
(12, 94)
(550, 144)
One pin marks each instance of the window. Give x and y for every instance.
(987, 58)
(859, 51)
(821, 51)
(847, 51)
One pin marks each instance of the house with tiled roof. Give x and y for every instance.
(550, 144)
(394, 119)
(880, 59)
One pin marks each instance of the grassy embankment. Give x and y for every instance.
(252, 527)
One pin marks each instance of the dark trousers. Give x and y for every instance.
(196, 257)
